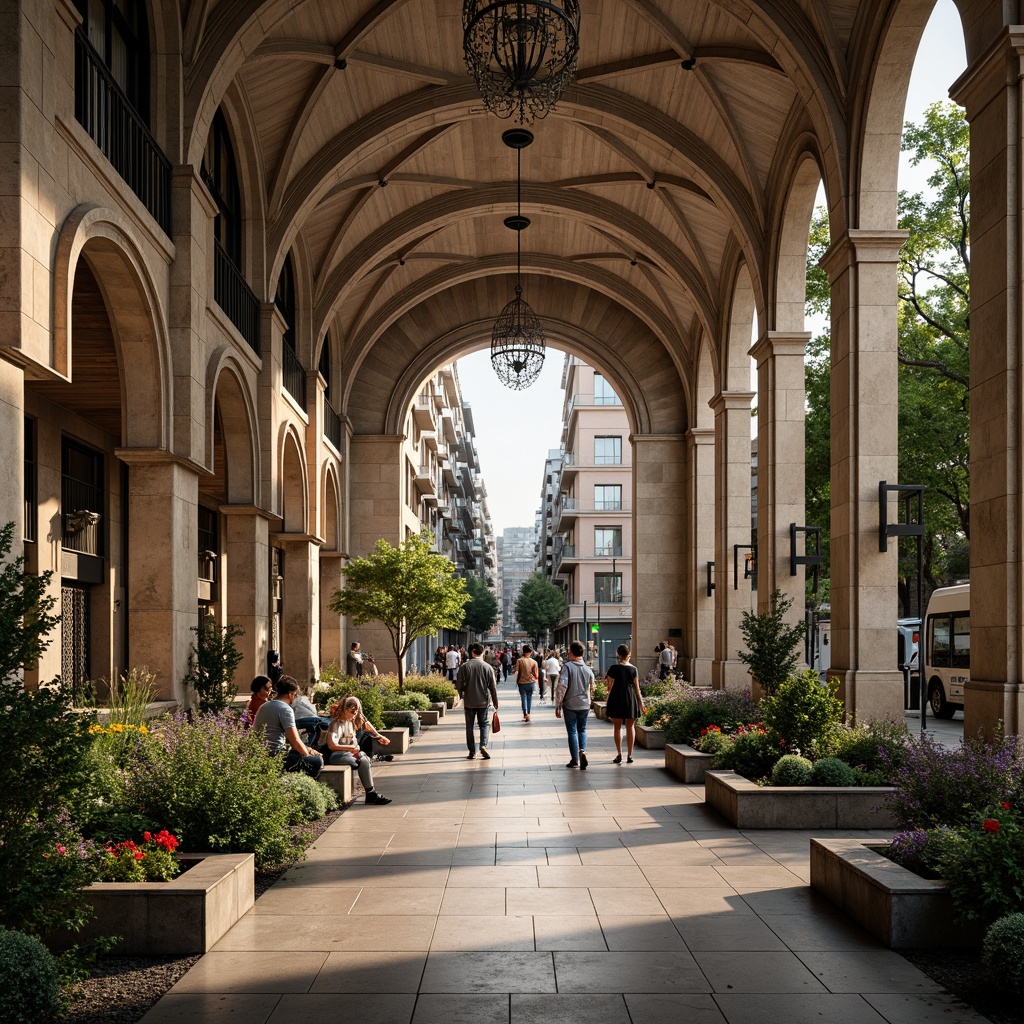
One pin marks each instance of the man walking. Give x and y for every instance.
(572, 702)
(452, 661)
(477, 687)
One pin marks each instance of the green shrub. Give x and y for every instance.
(653, 688)
(751, 753)
(713, 742)
(690, 715)
(876, 747)
(215, 785)
(792, 770)
(437, 689)
(308, 799)
(1003, 952)
(29, 979)
(403, 719)
(805, 713)
(411, 700)
(212, 663)
(600, 689)
(830, 771)
(369, 694)
(771, 643)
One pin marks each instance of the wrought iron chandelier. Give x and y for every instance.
(517, 338)
(521, 54)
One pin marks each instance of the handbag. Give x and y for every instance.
(495, 723)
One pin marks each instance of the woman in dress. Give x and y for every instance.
(625, 702)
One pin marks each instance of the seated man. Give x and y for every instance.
(277, 722)
(307, 719)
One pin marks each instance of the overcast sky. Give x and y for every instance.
(515, 429)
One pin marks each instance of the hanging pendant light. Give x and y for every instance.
(522, 55)
(517, 338)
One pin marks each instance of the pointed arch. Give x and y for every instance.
(231, 399)
(293, 489)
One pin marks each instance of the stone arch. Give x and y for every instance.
(734, 366)
(104, 238)
(705, 385)
(230, 400)
(788, 270)
(330, 506)
(293, 493)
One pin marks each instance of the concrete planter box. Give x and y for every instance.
(686, 764)
(600, 709)
(440, 707)
(339, 778)
(649, 737)
(428, 718)
(746, 805)
(397, 720)
(187, 915)
(899, 908)
(399, 741)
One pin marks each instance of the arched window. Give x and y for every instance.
(117, 31)
(220, 173)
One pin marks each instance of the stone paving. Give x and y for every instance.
(517, 891)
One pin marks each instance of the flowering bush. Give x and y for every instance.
(874, 750)
(154, 861)
(937, 785)
(310, 800)
(216, 783)
(697, 709)
(752, 752)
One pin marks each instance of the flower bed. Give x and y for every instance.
(895, 905)
(746, 805)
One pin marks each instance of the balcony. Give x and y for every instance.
(448, 429)
(332, 426)
(235, 297)
(566, 513)
(425, 481)
(423, 411)
(106, 113)
(429, 438)
(293, 375)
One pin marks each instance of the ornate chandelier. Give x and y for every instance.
(517, 338)
(521, 54)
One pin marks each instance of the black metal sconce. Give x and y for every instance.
(749, 570)
(711, 574)
(812, 536)
(913, 519)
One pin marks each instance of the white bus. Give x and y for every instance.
(947, 662)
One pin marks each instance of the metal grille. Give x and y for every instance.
(74, 638)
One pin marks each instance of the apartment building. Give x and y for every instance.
(591, 523)
(517, 564)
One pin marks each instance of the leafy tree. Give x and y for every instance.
(772, 643)
(539, 606)
(933, 352)
(212, 663)
(482, 610)
(411, 589)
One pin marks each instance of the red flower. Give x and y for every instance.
(1005, 805)
(990, 825)
(61, 849)
(139, 855)
(147, 836)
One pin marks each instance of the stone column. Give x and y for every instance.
(163, 544)
(245, 564)
(12, 430)
(700, 484)
(331, 636)
(991, 92)
(660, 603)
(861, 266)
(375, 510)
(300, 619)
(732, 526)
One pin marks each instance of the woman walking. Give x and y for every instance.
(526, 676)
(625, 702)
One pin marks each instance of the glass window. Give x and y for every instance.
(607, 451)
(608, 587)
(118, 33)
(220, 173)
(607, 542)
(961, 641)
(604, 394)
(940, 650)
(81, 498)
(608, 497)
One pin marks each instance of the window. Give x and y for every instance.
(81, 498)
(607, 451)
(607, 542)
(209, 544)
(604, 394)
(940, 642)
(608, 497)
(28, 529)
(117, 31)
(220, 173)
(285, 300)
(324, 366)
(961, 641)
(608, 587)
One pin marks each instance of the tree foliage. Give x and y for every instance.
(212, 664)
(411, 589)
(772, 643)
(933, 350)
(539, 606)
(482, 610)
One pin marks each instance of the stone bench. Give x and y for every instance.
(428, 718)
(686, 764)
(399, 737)
(339, 778)
(440, 707)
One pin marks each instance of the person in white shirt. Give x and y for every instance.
(346, 719)
(453, 661)
(552, 668)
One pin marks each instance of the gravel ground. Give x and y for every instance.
(962, 973)
(121, 989)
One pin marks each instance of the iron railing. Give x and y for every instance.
(106, 113)
(332, 425)
(235, 297)
(81, 504)
(293, 375)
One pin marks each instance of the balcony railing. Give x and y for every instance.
(332, 425)
(293, 375)
(105, 112)
(81, 520)
(235, 297)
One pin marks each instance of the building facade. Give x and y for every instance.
(517, 562)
